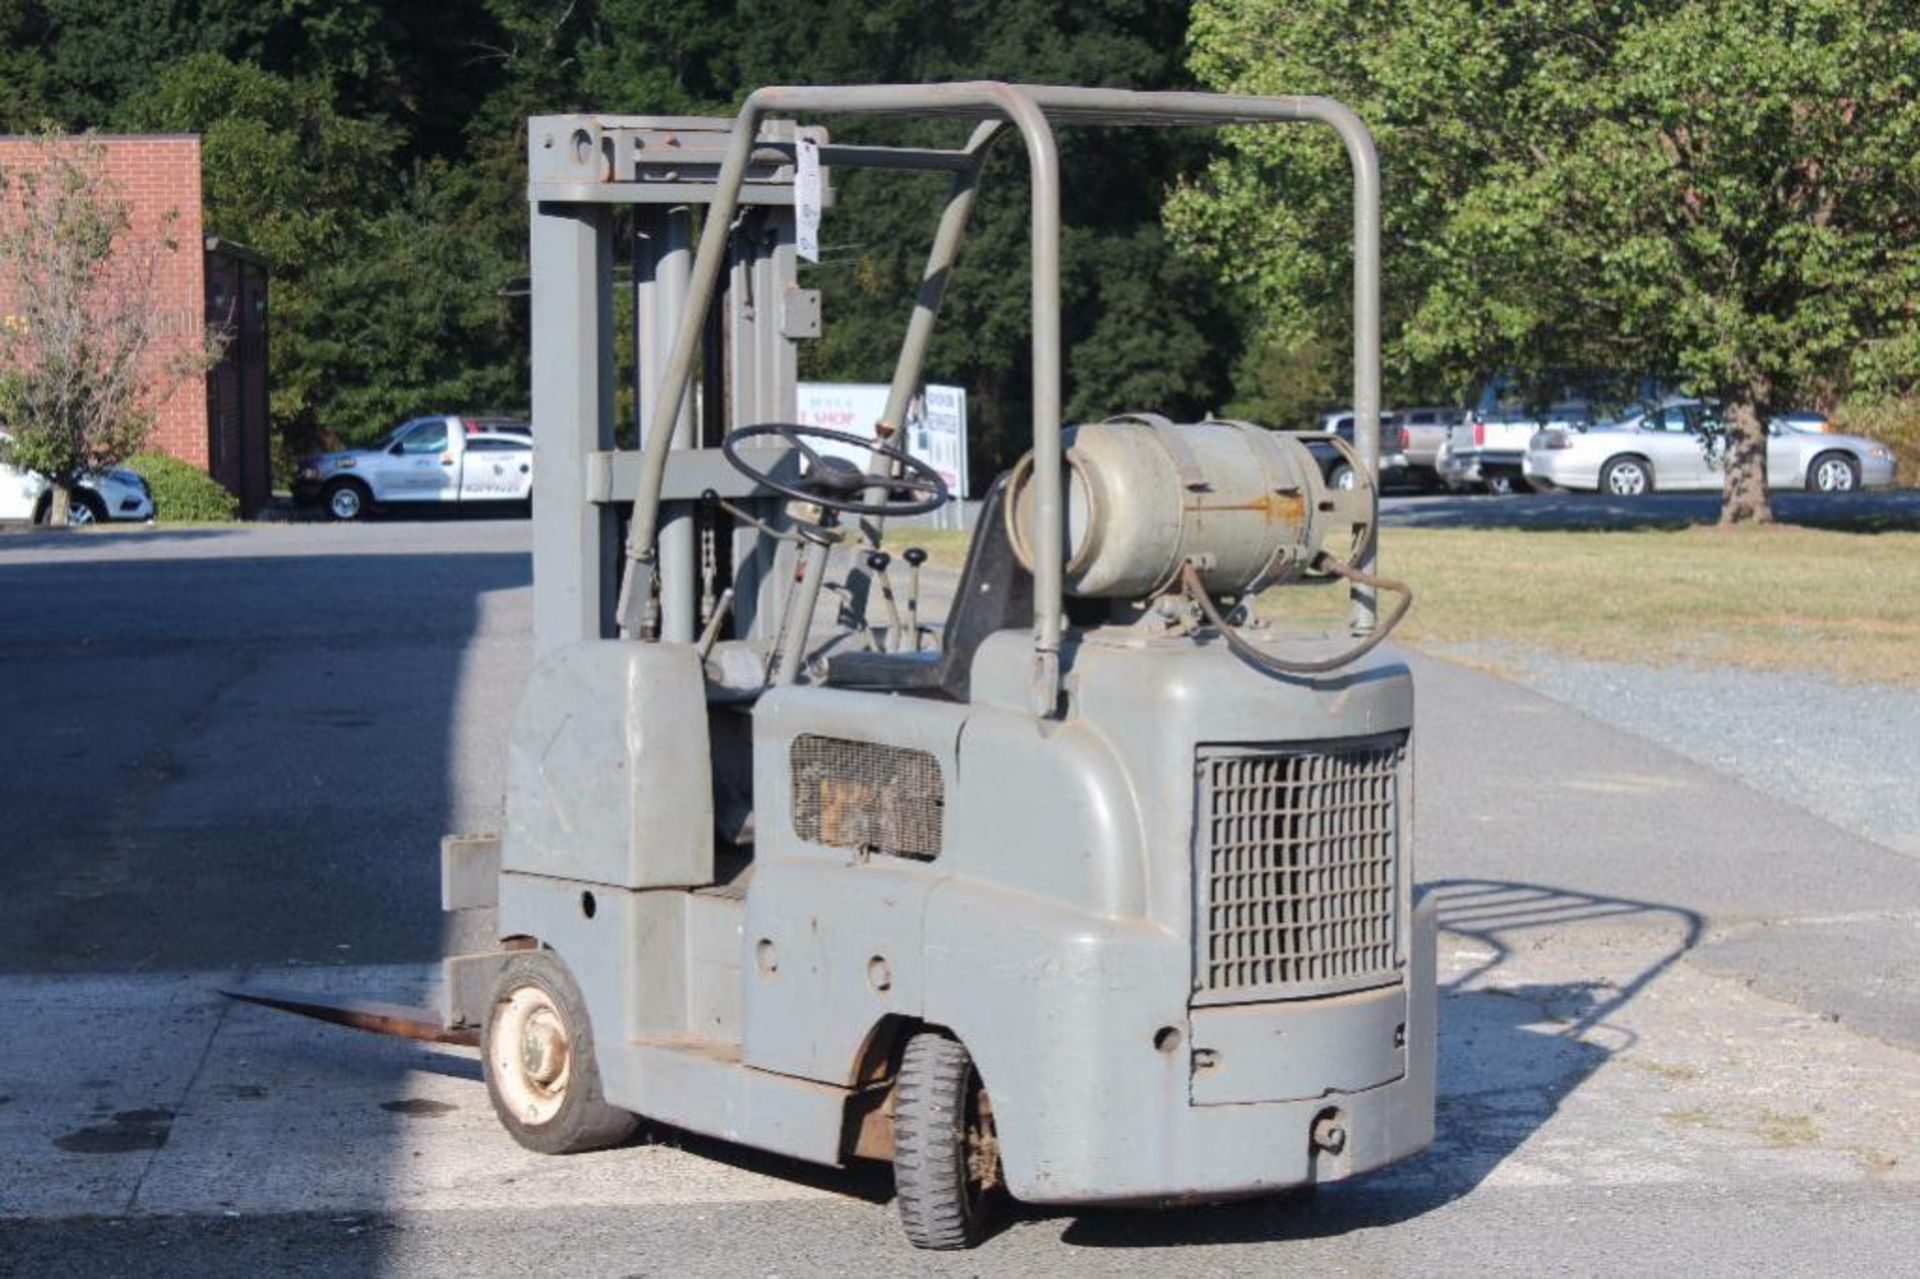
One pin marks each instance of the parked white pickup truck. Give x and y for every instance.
(443, 459)
(1488, 448)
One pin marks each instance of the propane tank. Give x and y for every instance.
(1145, 495)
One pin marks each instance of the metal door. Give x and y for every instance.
(1671, 438)
(420, 467)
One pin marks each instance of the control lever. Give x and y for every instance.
(877, 562)
(915, 557)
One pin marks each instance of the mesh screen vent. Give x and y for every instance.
(867, 797)
(1296, 870)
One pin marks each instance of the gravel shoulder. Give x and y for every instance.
(1846, 752)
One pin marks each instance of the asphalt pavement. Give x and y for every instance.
(1674, 1033)
(1409, 509)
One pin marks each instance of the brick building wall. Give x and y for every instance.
(158, 175)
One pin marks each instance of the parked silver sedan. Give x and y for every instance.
(1681, 444)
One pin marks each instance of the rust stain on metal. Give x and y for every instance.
(1277, 507)
(869, 1123)
(381, 1019)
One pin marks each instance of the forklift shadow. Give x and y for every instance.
(1510, 1052)
(861, 1179)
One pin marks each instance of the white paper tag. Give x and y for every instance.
(806, 198)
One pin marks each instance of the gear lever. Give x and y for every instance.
(915, 557)
(877, 561)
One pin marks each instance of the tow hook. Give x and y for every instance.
(1329, 1132)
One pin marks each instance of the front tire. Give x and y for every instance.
(83, 508)
(347, 500)
(536, 1051)
(1626, 477)
(1833, 473)
(946, 1155)
(86, 509)
(1341, 478)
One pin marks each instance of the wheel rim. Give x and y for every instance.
(531, 1055)
(1627, 479)
(1499, 484)
(80, 513)
(1343, 478)
(345, 503)
(1834, 476)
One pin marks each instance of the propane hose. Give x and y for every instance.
(1197, 592)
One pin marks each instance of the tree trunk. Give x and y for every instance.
(1744, 498)
(59, 503)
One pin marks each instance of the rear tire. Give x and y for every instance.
(1626, 477)
(1341, 477)
(1833, 473)
(536, 1051)
(946, 1155)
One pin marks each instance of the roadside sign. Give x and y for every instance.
(939, 434)
(935, 431)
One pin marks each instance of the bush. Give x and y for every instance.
(1895, 422)
(182, 493)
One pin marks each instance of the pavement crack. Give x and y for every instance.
(179, 1105)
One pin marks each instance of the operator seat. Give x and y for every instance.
(994, 594)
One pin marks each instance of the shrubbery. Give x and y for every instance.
(1894, 422)
(184, 494)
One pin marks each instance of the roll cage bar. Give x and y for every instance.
(1033, 111)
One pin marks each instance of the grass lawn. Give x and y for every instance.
(1784, 598)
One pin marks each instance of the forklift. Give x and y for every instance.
(1101, 891)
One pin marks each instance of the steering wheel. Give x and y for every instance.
(836, 483)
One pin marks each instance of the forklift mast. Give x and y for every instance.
(584, 171)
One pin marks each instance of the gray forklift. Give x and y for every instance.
(1101, 891)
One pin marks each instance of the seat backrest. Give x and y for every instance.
(994, 594)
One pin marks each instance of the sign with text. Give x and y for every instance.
(935, 431)
(806, 197)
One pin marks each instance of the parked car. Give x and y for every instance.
(1681, 444)
(116, 494)
(1487, 448)
(1424, 438)
(1333, 463)
(1341, 423)
(443, 459)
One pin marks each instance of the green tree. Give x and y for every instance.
(1287, 382)
(384, 61)
(415, 319)
(23, 70)
(1722, 190)
(383, 303)
(84, 358)
(284, 171)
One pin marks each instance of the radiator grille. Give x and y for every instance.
(867, 797)
(1296, 869)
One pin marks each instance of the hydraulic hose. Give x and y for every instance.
(1197, 592)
